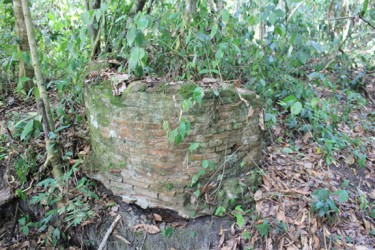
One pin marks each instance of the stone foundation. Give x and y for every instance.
(132, 156)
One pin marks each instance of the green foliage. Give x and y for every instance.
(167, 232)
(238, 214)
(324, 203)
(263, 228)
(76, 209)
(28, 127)
(25, 225)
(220, 211)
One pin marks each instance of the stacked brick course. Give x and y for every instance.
(132, 156)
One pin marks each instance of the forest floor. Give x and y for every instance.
(292, 170)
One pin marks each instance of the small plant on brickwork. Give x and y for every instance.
(178, 134)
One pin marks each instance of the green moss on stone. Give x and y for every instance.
(102, 119)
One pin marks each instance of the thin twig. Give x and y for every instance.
(372, 26)
(143, 242)
(294, 11)
(109, 231)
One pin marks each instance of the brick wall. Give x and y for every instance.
(132, 156)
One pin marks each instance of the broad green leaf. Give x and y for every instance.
(316, 46)
(219, 54)
(198, 94)
(314, 102)
(82, 37)
(251, 21)
(25, 230)
(178, 139)
(21, 81)
(204, 71)
(225, 16)
(290, 99)
(186, 104)
(272, 18)
(364, 8)
(51, 135)
(142, 22)
(220, 211)
(296, 108)
(120, 18)
(187, 123)
(263, 228)
(193, 146)
(194, 179)
(22, 221)
(343, 195)
(332, 205)
(130, 36)
(98, 14)
(85, 16)
(239, 219)
(61, 128)
(136, 55)
(27, 130)
(197, 193)
(279, 30)
(182, 129)
(213, 30)
(205, 164)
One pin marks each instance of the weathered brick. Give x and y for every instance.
(127, 133)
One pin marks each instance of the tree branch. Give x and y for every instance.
(294, 11)
(372, 26)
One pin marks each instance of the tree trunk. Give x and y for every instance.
(95, 31)
(190, 9)
(44, 109)
(219, 5)
(138, 5)
(25, 67)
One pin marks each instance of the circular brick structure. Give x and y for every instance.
(132, 156)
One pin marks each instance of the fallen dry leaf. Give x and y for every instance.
(123, 239)
(261, 120)
(151, 229)
(258, 195)
(157, 217)
(281, 216)
(250, 114)
(372, 194)
(350, 159)
(180, 224)
(209, 80)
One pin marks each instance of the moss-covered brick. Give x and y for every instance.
(132, 155)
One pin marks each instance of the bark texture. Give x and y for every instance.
(25, 67)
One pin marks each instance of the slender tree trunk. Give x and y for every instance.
(329, 15)
(190, 9)
(219, 5)
(258, 28)
(25, 67)
(95, 30)
(138, 5)
(237, 8)
(44, 109)
(149, 6)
